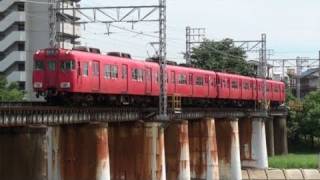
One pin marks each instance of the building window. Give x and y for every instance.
(21, 67)
(21, 27)
(22, 85)
(20, 7)
(21, 46)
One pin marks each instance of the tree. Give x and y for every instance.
(9, 92)
(221, 56)
(311, 122)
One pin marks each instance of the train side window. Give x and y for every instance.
(107, 71)
(246, 85)
(173, 77)
(213, 80)
(137, 74)
(124, 71)
(134, 74)
(234, 84)
(206, 79)
(114, 71)
(140, 75)
(199, 81)
(85, 69)
(182, 79)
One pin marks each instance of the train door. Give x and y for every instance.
(191, 83)
(51, 72)
(207, 84)
(148, 80)
(172, 83)
(95, 75)
(125, 77)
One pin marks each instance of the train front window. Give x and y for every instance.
(67, 65)
(38, 65)
(52, 65)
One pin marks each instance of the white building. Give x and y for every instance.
(24, 28)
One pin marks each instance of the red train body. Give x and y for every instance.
(60, 72)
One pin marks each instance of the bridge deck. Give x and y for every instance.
(50, 115)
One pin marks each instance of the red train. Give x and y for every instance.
(79, 76)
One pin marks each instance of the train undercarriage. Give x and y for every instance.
(175, 101)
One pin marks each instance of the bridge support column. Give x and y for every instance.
(177, 151)
(79, 152)
(23, 153)
(203, 149)
(228, 148)
(280, 132)
(253, 143)
(137, 151)
(270, 136)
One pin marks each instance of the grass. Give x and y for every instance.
(294, 161)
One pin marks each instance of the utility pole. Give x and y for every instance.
(263, 67)
(193, 36)
(163, 99)
(53, 5)
(298, 85)
(318, 84)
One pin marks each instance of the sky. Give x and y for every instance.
(292, 26)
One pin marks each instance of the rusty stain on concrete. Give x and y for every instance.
(83, 152)
(203, 149)
(228, 148)
(245, 133)
(23, 153)
(177, 151)
(131, 151)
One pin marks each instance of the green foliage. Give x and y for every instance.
(9, 92)
(221, 56)
(290, 161)
(311, 114)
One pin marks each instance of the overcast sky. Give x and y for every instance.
(292, 26)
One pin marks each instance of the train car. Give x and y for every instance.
(78, 76)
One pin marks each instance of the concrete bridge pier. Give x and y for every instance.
(227, 133)
(137, 151)
(280, 134)
(270, 136)
(253, 146)
(203, 149)
(177, 151)
(23, 153)
(78, 152)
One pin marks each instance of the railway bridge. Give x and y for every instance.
(56, 143)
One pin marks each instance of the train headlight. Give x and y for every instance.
(65, 85)
(37, 85)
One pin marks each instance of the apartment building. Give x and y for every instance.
(24, 28)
